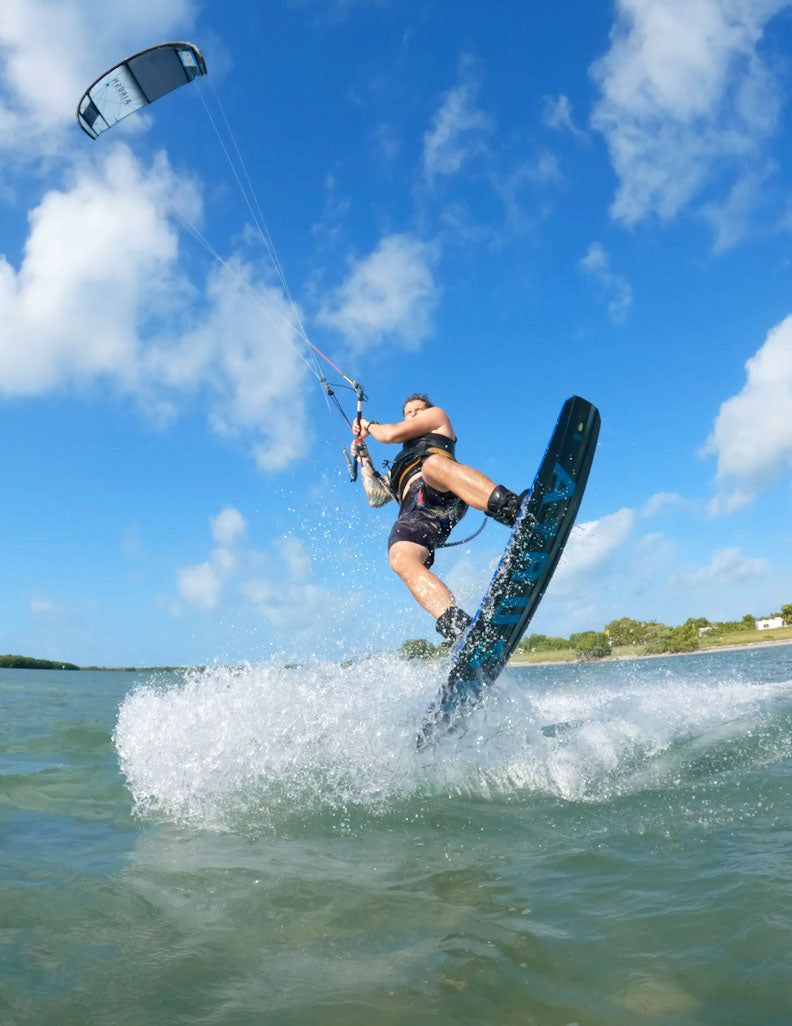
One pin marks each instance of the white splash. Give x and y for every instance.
(268, 742)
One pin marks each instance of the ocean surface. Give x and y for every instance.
(607, 845)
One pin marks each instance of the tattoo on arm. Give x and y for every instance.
(376, 491)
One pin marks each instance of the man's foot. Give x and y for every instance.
(504, 506)
(452, 623)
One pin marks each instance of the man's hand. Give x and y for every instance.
(360, 428)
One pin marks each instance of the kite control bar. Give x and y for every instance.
(352, 465)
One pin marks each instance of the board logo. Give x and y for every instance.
(528, 568)
(121, 89)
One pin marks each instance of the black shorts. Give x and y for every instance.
(426, 517)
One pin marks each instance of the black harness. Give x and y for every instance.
(412, 455)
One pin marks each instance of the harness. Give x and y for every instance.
(413, 453)
(409, 459)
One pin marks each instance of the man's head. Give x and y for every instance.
(414, 404)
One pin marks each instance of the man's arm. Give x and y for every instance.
(376, 491)
(433, 419)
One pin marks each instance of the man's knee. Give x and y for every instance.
(406, 559)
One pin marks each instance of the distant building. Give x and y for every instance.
(771, 624)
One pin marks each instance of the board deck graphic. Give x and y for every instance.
(525, 569)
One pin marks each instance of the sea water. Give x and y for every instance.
(607, 844)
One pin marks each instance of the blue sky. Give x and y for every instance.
(499, 204)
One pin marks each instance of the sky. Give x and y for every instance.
(498, 204)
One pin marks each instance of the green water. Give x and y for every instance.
(606, 845)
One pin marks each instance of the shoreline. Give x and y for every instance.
(745, 646)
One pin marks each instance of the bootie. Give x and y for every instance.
(453, 622)
(504, 506)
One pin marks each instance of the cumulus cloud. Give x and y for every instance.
(729, 567)
(201, 585)
(50, 52)
(99, 256)
(596, 263)
(390, 294)
(277, 586)
(592, 544)
(228, 527)
(752, 434)
(246, 352)
(685, 93)
(99, 294)
(458, 133)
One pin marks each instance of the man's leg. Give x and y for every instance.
(472, 487)
(408, 560)
(469, 484)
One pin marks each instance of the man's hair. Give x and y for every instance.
(417, 395)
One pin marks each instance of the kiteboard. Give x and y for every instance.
(532, 552)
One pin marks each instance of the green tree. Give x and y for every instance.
(683, 638)
(625, 631)
(419, 648)
(543, 643)
(18, 662)
(729, 627)
(749, 622)
(590, 644)
(658, 642)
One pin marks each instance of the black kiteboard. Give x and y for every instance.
(524, 572)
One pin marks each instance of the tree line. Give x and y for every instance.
(18, 662)
(647, 637)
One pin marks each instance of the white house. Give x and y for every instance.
(771, 624)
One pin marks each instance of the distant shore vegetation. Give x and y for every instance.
(619, 639)
(20, 662)
(625, 638)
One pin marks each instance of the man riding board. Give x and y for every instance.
(433, 492)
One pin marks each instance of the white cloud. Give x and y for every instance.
(752, 434)
(46, 609)
(592, 544)
(278, 586)
(729, 568)
(390, 294)
(731, 218)
(203, 585)
(661, 501)
(101, 267)
(295, 556)
(299, 607)
(50, 52)
(98, 259)
(596, 263)
(228, 527)
(458, 134)
(685, 93)
(558, 114)
(200, 585)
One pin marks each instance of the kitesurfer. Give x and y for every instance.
(433, 492)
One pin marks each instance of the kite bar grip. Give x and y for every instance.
(351, 467)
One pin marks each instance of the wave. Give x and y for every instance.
(267, 743)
